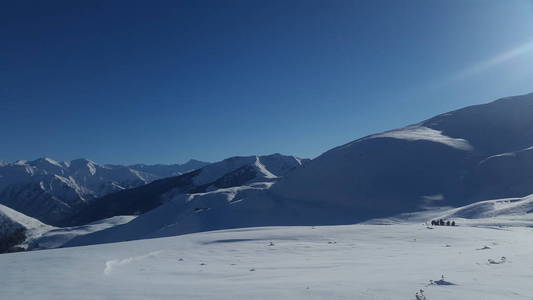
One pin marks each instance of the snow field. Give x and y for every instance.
(331, 262)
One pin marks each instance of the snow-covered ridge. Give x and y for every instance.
(266, 166)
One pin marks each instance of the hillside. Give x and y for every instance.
(452, 159)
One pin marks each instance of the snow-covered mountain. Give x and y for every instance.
(453, 159)
(50, 190)
(229, 173)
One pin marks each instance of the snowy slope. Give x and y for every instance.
(50, 190)
(182, 214)
(499, 212)
(503, 175)
(336, 262)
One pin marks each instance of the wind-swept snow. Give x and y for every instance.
(421, 133)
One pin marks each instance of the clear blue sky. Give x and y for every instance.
(165, 81)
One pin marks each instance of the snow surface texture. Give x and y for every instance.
(49, 190)
(330, 262)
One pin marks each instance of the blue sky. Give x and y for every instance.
(165, 81)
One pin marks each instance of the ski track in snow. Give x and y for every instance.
(110, 265)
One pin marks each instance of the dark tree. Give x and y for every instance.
(448, 223)
(9, 241)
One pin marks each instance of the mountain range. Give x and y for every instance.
(455, 159)
(50, 190)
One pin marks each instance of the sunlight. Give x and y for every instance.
(495, 61)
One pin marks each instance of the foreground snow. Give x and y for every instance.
(332, 262)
